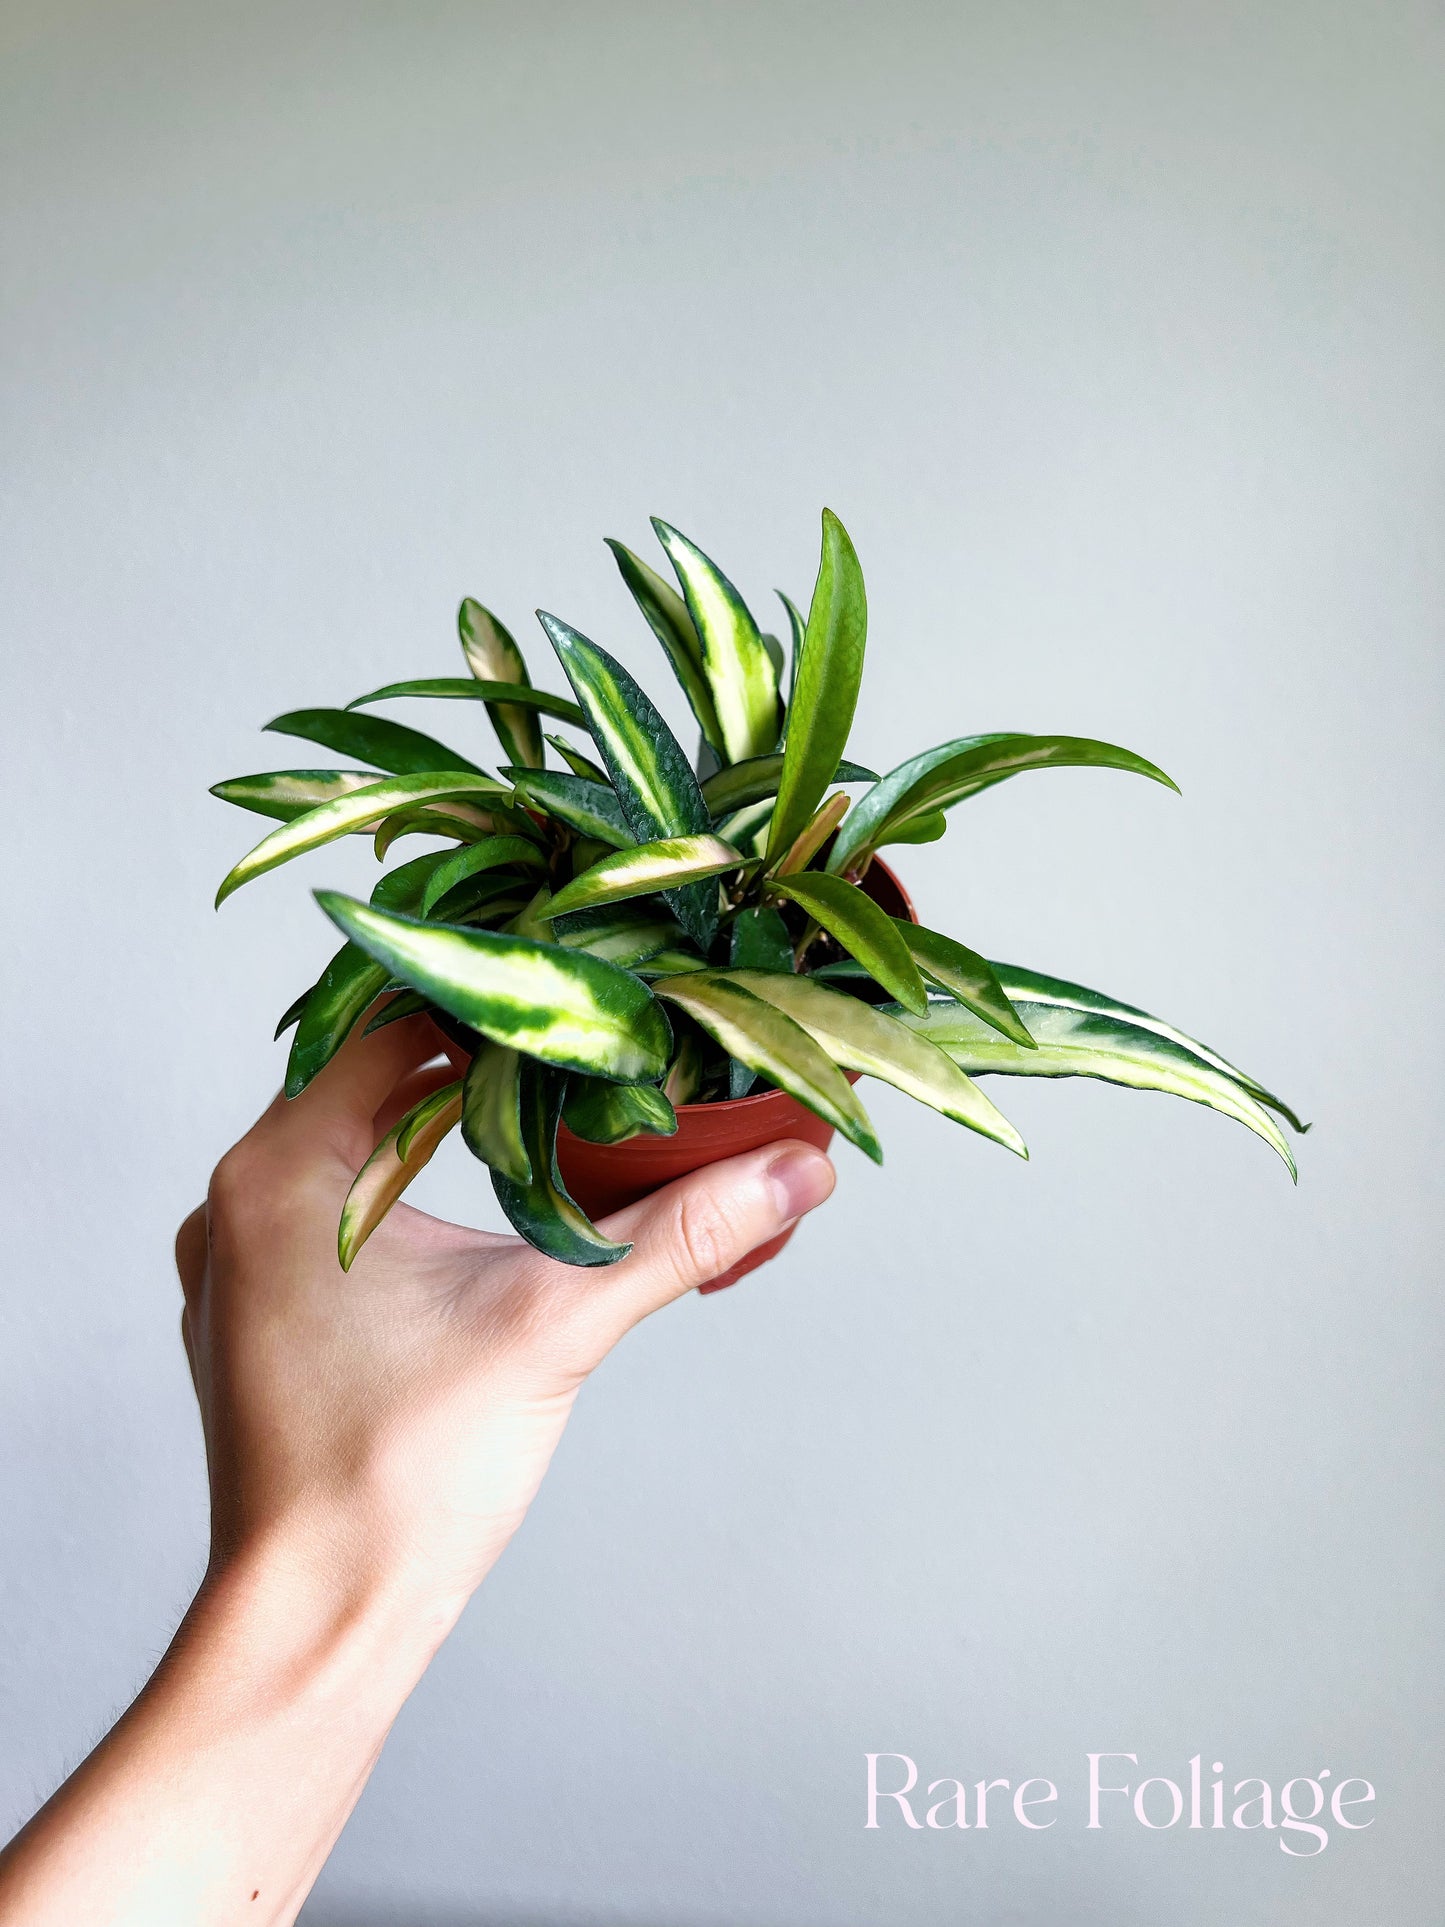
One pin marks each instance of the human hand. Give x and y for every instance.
(387, 1428)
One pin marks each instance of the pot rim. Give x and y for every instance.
(725, 1106)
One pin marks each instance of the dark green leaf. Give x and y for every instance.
(560, 1005)
(492, 853)
(466, 689)
(865, 931)
(830, 669)
(670, 622)
(583, 805)
(541, 1210)
(761, 1036)
(611, 1113)
(492, 1113)
(743, 783)
(966, 976)
(579, 764)
(760, 941)
(371, 739)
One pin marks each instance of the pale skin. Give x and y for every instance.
(373, 1441)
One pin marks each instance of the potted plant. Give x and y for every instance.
(650, 962)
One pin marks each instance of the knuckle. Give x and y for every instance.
(703, 1236)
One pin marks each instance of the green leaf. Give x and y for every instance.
(865, 931)
(287, 793)
(653, 779)
(492, 1112)
(669, 963)
(941, 777)
(371, 739)
(591, 808)
(387, 1173)
(541, 1210)
(363, 806)
(406, 1003)
(761, 1036)
(862, 1038)
(670, 622)
(1040, 989)
(666, 865)
(826, 682)
(611, 1113)
(1077, 1043)
(560, 1005)
(626, 935)
(966, 976)
(520, 698)
(760, 941)
(292, 1013)
(493, 657)
(798, 628)
(492, 853)
(739, 670)
(915, 829)
(579, 764)
(351, 982)
(740, 784)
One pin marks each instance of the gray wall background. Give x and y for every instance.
(1114, 333)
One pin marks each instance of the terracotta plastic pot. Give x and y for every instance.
(605, 1177)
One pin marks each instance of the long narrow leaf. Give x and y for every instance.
(739, 784)
(464, 689)
(653, 779)
(492, 853)
(862, 1038)
(371, 739)
(330, 820)
(668, 618)
(625, 934)
(1076, 1043)
(541, 1210)
(964, 974)
(740, 672)
(579, 764)
(288, 793)
(669, 865)
(768, 1041)
(826, 683)
(492, 1112)
(941, 777)
(797, 629)
(865, 931)
(560, 1005)
(493, 657)
(592, 808)
(386, 1173)
(1041, 989)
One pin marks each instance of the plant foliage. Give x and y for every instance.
(639, 929)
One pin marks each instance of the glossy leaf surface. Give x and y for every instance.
(668, 618)
(371, 739)
(579, 764)
(740, 672)
(941, 777)
(825, 686)
(964, 974)
(541, 1210)
(612, 1113)
(386, 1173)
(865, 931)
(1076, 1043)
(492, 1112)
(862, 1038)
(760, 941)
(625, 934)
(1042, 989)
(493, 657)
(590, 808)
(491, 853)
(653, 779)
(288, 793)
(771, 1043)
(561, 1005)
(668, 865)
(465, 689)
(739, 784)
(350, 812)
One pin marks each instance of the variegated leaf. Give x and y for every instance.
(739, 670)
(559, 1005)
(387, 1173)
(865, 931)
(288, 793)
(585, 806)
(330, 820)
(668, 618)
(768, 1041)
(493, 657)
(541, 1210)
(1077, 1043)
(668, 865)
(862, 1038)
(611, 1113)
(740, 784)
(492, 853)
(579, 764)
(518, 697)
(492, 1114)
(964, 974)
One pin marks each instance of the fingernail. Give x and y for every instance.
(800, 1179)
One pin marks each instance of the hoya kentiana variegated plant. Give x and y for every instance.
(621, 930)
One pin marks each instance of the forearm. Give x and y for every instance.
(218, 1796)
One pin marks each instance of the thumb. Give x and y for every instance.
(702, 1225)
